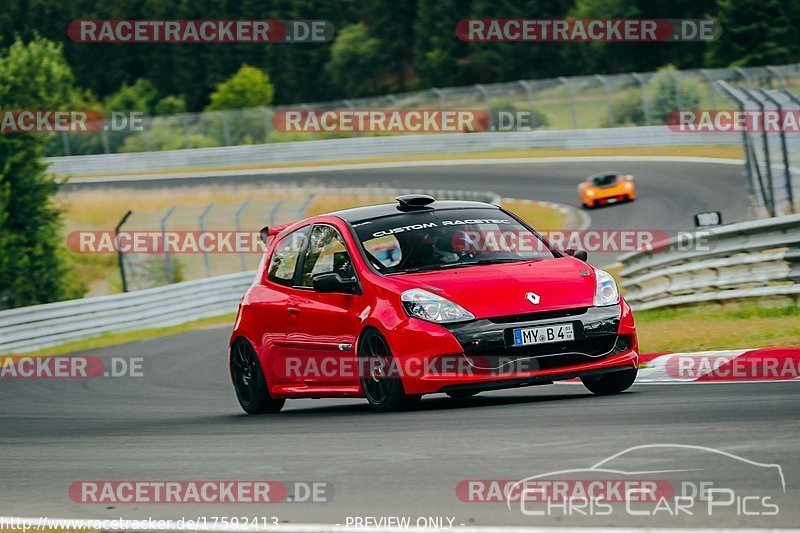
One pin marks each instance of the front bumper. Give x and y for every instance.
(480, 355)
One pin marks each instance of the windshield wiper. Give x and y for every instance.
(496, 261)
(445, 266)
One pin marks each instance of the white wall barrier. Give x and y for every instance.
(361, 147)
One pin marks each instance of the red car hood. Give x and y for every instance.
(498, 290)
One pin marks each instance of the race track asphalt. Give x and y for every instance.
(180, 420)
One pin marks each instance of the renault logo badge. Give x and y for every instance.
(533, 298)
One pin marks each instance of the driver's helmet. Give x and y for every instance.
(452, 245)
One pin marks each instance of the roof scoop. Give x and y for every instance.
(410, 202)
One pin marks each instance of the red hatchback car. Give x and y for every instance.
(391, 302)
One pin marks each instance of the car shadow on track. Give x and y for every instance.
(432, 404)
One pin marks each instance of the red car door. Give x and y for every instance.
(326, 324)
(273, 306)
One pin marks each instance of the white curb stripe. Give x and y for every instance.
(656, 369)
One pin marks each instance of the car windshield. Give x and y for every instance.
(447, 238)
(604, 180)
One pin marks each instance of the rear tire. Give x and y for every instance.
(382, 388)
(249, 382)
(611, 383)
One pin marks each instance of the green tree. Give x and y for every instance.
(170, 105)
(437, 50)
(392, 23)
(249, 87)
(665, 92)
(355, 66)
(141, 96)
(756, 32)
(32, 262)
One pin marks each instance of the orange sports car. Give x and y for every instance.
(606, 188)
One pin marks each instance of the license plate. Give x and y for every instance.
(611, 200)
(543, 334)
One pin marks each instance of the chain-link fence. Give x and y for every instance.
(230, 220)
(637, 99)
(772, 156)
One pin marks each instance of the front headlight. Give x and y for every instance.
(606, 291)
(590, 192)
(422, 304)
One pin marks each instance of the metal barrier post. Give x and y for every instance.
(273, 214)
(307, 203)
(351, 107)
(529, 92)
(604, 82)
(167, 256)
(676, 82)
(645, 102)
(784, 150)
(267, 128)
(238, 218)
(120, 259)
(710, 80)
(728, 90)
(571, 96)
(442, 98)
(201, 223)
(765, 140)
(186, 142)
(481, 89)
(65, 143)
(741, 72)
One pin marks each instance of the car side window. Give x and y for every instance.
(283, 263)
(326, 254)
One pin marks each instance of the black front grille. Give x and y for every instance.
(490, 342)
(542, 315)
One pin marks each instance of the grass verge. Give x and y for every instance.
(719, 327)
(541, 217)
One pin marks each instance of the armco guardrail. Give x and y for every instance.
(745, 260)
(355, 148)
(31, 328)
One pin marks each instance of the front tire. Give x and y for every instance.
(611, 383)
(380, 384)
(249, 381)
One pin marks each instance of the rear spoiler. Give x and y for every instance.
(267, 232)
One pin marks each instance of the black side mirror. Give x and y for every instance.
(333, 282)
(577, 254)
